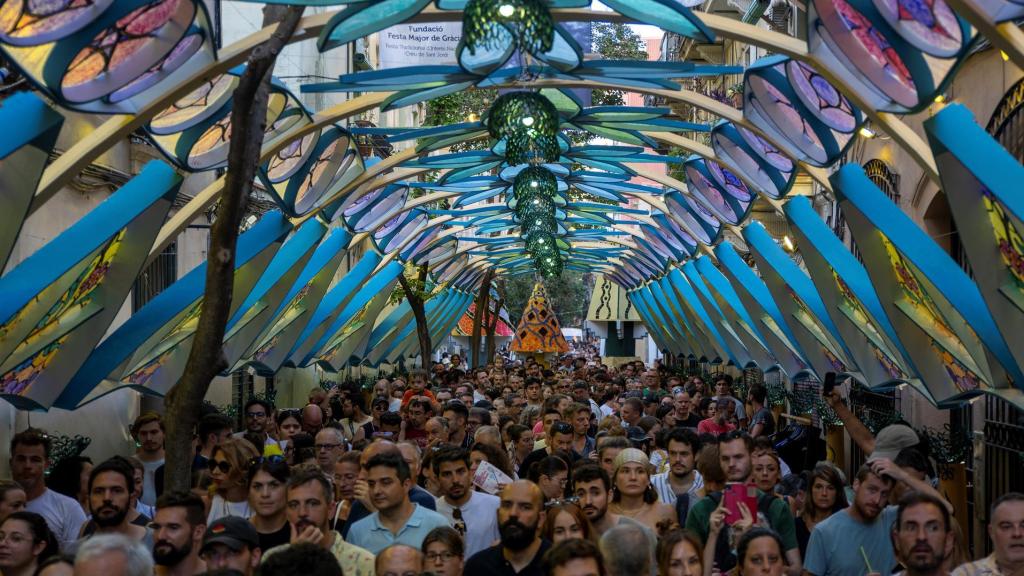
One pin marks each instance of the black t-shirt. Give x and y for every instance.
(491, 561)
(691, 421)
(272, 539)
(803, 535)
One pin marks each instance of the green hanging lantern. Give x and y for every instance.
(538, 224)
(528, 122)
(549, 266)
(533, 181)
(540, 243)
(488, 24)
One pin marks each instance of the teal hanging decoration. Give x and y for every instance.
(549, 266)
(533, 224)
(533, 181)
(489, 24)
(528, 122)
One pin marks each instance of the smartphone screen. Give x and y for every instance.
(736, 493)
(829, 384)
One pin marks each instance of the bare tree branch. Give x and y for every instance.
(206, 358)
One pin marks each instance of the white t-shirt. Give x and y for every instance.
(149, 481)
(480, 514)
(219, 508)
(63, 515)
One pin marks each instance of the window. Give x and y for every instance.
(155, 278)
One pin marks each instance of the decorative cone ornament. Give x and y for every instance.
(539, 331)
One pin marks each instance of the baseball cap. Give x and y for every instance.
(232, 531)
(892, 439)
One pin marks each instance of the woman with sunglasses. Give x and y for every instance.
(25, 542)
(228, 473)
(267, 480)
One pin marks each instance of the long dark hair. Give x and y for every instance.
(829, 474)
(40, 532)
(495, 456)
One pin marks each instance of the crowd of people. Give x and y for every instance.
(513, 468)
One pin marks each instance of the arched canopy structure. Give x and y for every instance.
(553, 187)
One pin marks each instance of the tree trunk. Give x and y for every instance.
(206, 358)
(492, 327)
(483, 299)
(416, 302)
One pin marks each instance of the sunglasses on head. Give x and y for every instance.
(561, 502)
(562, 428)
(272, 459)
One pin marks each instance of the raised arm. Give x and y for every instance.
(859, 433)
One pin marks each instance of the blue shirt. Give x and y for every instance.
(836, 543)
(370, 534)
(358, 511)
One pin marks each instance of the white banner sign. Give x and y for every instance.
(419, 44)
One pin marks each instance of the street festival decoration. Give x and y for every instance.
(686, 262)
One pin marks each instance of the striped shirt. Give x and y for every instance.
(664, 488)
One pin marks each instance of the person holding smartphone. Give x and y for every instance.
(732, 511)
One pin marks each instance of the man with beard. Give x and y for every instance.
(457, 414)
(681, 478)
(472, 514)
(110, 495)
(845, 542)
(178, 527)
(398, 520)
(559, 437)
(921, 535)
(257, 416)
(309, 505)
(592, 486)
(519, 553)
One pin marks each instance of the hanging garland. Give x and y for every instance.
(947, 448)
(63, 447)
